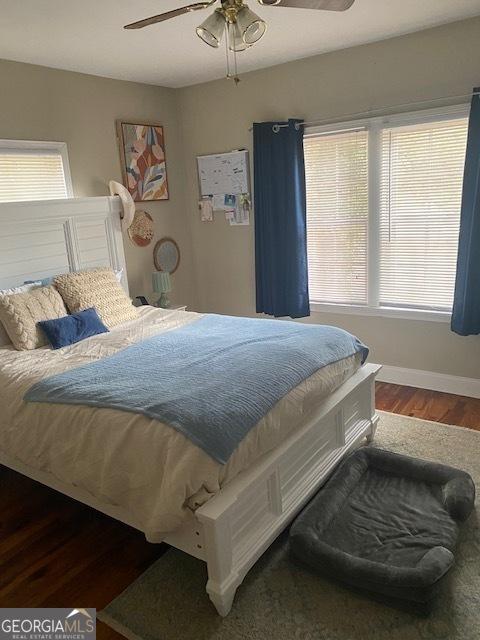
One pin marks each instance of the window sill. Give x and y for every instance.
(382, 312)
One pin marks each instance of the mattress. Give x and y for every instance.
(146, 468)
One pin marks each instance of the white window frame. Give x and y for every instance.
(36, 146)
(374, 128)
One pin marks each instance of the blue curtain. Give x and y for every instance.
(466, 305)
(280, 220)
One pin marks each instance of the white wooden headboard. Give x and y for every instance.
(44, 238)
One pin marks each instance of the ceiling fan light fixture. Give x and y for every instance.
(235, 38)
(211, 30)
(251, 26)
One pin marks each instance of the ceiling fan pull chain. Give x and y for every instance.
(226, 52)
(231, 76)
(236, 79)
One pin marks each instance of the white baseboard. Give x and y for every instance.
(430, 380)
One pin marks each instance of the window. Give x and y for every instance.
(33, 171)
(337, 216)
(383, 212)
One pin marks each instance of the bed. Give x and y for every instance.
(154, 478)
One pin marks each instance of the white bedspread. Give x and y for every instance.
(148, 469)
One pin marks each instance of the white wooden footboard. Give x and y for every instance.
(233, 529)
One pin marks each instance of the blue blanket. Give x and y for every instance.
(212, 380)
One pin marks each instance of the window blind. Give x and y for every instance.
(337, 216)
(31, 175)
(421, 190)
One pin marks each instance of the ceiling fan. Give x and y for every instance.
(241, 25)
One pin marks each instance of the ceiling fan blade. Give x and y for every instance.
(168, 14)
(325, 5)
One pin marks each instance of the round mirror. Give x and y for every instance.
(166, 255)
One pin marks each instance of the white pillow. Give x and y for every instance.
(4, 339)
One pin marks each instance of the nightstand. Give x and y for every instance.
(141, 300)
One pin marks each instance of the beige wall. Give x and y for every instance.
(38, 103)
(216, 117)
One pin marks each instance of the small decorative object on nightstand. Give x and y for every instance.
(161, 284)
(140, 301)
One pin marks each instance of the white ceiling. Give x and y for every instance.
(87, 35)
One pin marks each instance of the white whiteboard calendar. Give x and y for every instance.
(224, 173)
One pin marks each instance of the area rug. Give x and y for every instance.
(279, 600)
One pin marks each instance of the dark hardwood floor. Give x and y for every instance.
(55, 552)
(429, 405)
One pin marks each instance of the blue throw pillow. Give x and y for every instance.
(71, 329)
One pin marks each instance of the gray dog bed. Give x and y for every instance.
(385, 523)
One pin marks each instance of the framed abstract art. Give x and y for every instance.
(142, 156)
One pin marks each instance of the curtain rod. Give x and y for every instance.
(276, 127)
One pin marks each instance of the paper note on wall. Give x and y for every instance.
(206, 210)
(222, 202)
(241, 213)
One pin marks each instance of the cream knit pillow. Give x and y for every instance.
(4, 339)
(97, 288)
(20, 312)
